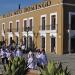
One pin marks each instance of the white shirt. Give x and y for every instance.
(41, 58)
(23, 46)
(18, 53)
(30, 63)
(8, 55)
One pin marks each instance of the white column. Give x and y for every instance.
(69, 40)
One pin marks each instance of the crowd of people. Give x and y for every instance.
(34, 59)
(37, 59)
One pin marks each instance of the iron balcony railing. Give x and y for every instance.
(48, 27)
(20, 29)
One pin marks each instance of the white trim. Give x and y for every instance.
(3, 34)
(51, 14)
(42, 33)
(30, 33)
(10, 34)
(31, 17)
(70, 4)
(17, 20)
(17, 34)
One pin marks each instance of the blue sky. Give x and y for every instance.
(7, 6)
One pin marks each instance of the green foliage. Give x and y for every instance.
(17, 66)
(53, 69)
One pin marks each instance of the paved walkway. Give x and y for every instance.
(66, 59)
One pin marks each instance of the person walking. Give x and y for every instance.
(19, 52)
(30, 62)
(3, 55)
(41, 58)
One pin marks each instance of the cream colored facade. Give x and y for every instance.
(47, 21)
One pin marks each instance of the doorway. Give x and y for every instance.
(73, 45)
(53, 44)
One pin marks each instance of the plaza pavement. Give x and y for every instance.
(66, 59)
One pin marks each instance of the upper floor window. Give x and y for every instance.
(17, 26)
(53, 20)
(30, 24)
(43, 22)
(25, 24)
(3, 27)
(10, 26)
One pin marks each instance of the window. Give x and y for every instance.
(10, 40)
(53, 21)
(25, 24)
(30, 23)
(43, 23)
(10, 29)
(17, 26)
(30, 42)
(24, 40)
(43, 42)
(53, 44)
(3, 27)
(16, 40)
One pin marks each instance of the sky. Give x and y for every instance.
(7, 6)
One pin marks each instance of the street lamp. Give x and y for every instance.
(27, 30)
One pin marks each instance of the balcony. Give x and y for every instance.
(30, 28)
(53, 28)
(49, 27)
(13, 30)
(9, 30)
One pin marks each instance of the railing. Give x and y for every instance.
(19, 30)
(12, 30)
(29, 28)
(9, 30)
(53, 27)
(49, 27)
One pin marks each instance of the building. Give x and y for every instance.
(50, 23)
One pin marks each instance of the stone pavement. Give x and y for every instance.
(66, 59)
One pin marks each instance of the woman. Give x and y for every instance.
(30, 64)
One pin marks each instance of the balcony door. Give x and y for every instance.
(53, 44)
